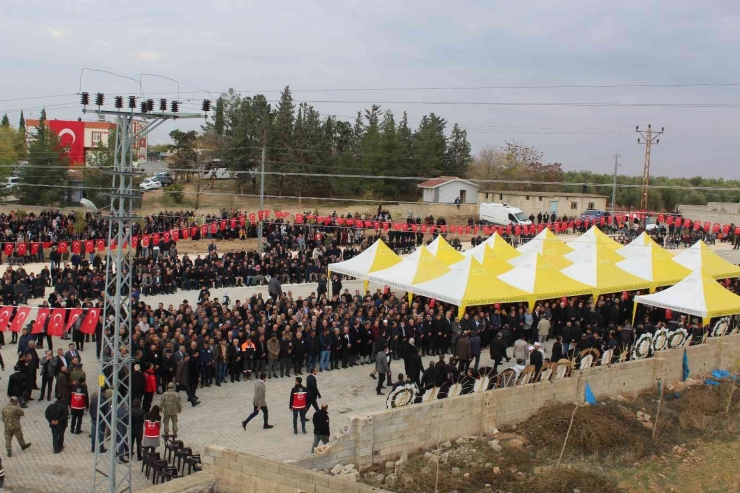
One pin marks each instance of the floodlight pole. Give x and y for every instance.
(112, 468)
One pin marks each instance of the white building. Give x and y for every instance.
(445, 189)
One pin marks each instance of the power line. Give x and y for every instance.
(39, 97)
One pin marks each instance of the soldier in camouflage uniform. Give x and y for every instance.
(12, 418)
(171, 407)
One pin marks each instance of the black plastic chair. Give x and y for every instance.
(149, 458)
(193, 463)
(181, 455)
(171, 448)
(169, 473)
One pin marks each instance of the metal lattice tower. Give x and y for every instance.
(110, 474)
(649, 138)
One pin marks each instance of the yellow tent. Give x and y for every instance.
(597, 268)
(469, 283)
(377, 257)
(699, 256)
(538, 277)
(640, 244)
(420, 266)
(594, 236)
(549, 246)
(654, 265)
(444, 251)
(699, 294)
(496, 245)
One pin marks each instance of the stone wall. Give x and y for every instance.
(382, 436)
(238, 472)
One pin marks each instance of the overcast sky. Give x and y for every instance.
(263, 46)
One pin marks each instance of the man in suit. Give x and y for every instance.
(72, 353)
(259, 402)
(382, 367)
(313, 389)
(535, 358)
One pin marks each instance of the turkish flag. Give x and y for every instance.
(726, 228)
(518, 230)
(166, 236)
(716, 227)
(155, 239)
(71, 135)
(101, 245)
(267, 213)
(687, 223)
(609, 219)
(145, 241)
(77, 247)
(737, 230)
(21, 315)
(222, 225)
(91, 320)
(214, 228)
(281, 214)
(41, 316)
(557, 227)
(74, 314)
(56, 323)
(299, 219)
(22, 248)
(62, 248)
(113, 245)
(669, 220)
(233, 223)
(423, 228)
(707, 226)
(578, 223)
(540, 228)
(242, 220)
(89, 246)
(261, 215)
(5, 313)
(193, 231)
(486, 230)
(47, 244)
(661, 218)
(414, 227)
(697, 225)
(34, 248)
(386, 225)
(340, 220)
(252, 217)
(603, 221)
(476, 229)
(443, 228)
(8, 249)
(175, 235)
(185, 233)
(134, 242)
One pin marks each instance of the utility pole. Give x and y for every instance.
(649, 137)
(614, 186)
(262, 200)
(111, 468)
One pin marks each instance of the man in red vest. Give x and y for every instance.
(299, 404)
(78, 402)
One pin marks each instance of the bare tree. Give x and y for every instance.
(201, 186)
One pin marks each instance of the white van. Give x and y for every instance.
(501, 214)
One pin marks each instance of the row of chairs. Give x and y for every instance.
(172, 462)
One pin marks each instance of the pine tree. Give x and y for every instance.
(458, 153)
(405, 159)
(22, 123)
(6, 121)
(281, 154)
(391, 149)
(42, 181)
(219, 118)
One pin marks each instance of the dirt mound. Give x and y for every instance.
(598, 431)
(566, 481)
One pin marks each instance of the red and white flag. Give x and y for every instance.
(56, 323)
(41, 316)
(91, 321)
(21, 315)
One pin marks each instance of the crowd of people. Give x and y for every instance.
(183, 350)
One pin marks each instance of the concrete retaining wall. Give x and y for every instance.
(382, 436)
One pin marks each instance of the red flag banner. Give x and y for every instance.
(145, 241)
(707, 226)
(233, 223)
(155, 239)
(74, 314)
(89, 246)
(134, 242)
(193, 231)
(204, 230)
(56, 323)
(34, 248)
(91, 320)
(101, 245)
(242, 220)
(299, 218)
(22, 249)
(267, 213)
(252, 217)
(222, 225)
(697, 225)
(5, 313)
(166, 236)
(71, 136)
(21, 315)
(41, 315)
(62, 248)
(77, 247)
(175, 235)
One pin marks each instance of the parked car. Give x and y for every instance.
(592, 214)
(150, 184)
(164, 178)
(11, 183)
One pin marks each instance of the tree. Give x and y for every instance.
(6, 121)
(458, 153)
(184, 156)
(39, 182)
(219, 118)
(281, 153)
(22, 123)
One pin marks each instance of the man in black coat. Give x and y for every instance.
(413, 366)
(498, 351)
(313, 389)
(535, 358)
(137, 426)
(17, 383)
(57, 414)
(321, 430)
